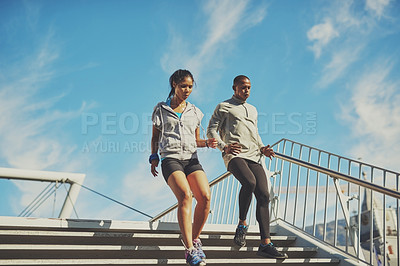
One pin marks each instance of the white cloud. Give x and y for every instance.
(338, 38)
(345, 17)
(373, 116)
(371, 113)
(29, 125)
(32, 132)
(321, 35)
(377, 6)
(336, 68)
(226, 21)
(342, 37)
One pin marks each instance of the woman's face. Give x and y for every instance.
(184, 88)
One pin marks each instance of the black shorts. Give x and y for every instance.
(170, 165)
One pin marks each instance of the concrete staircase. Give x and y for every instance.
(29, 241)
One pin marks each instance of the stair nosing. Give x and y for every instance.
(156, 261)
(29, 233)
(31, 247)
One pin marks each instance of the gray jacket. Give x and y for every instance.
(177, 138)
(235, 120)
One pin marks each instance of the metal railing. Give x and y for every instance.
(348, 204)
(74, 179)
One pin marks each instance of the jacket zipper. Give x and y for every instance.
(180, 127)
(247, 112)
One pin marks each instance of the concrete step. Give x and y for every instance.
(210, 262)
(127, 239)
(136, 244)
(26, 251)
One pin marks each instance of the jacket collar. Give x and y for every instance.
(167, 107)
(237, 100)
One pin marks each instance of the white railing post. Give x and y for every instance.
(70, 200)
(343, 200)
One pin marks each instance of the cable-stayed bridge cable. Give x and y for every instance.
(116, 201)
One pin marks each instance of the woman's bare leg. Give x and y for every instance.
(180, 187)
(201, 190)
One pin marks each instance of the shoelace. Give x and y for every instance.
(199, 246)
(193, 256)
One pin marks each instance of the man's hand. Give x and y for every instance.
(154, 164)
(234, 148)
(268, 151)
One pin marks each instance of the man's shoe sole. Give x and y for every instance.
(266, 255)
(239, 244)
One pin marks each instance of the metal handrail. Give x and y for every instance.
(310, 166)
(333, 154)
(334, 174)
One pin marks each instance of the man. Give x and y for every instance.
(234, 125)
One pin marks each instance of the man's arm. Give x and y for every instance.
(214, 126)
(266, 150)
(259, 140)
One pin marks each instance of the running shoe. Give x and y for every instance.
(240, 235)
(270, 251)
(193, 258)
(199, 246)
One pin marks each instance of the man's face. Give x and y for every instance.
(242, 89)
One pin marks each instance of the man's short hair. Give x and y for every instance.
(238, 79)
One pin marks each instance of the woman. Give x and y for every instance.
(176, 132)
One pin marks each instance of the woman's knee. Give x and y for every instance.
(185, 198)
(205, 199)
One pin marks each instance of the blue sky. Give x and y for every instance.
(79, 80)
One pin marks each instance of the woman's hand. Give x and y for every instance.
(154, 164)
(268, 151)
(234, 148)
(211, 143)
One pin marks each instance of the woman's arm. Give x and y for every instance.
(154, 140)
(200, 142)
(209, 143)
(154, 149)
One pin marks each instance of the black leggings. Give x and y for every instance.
(254, 180)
